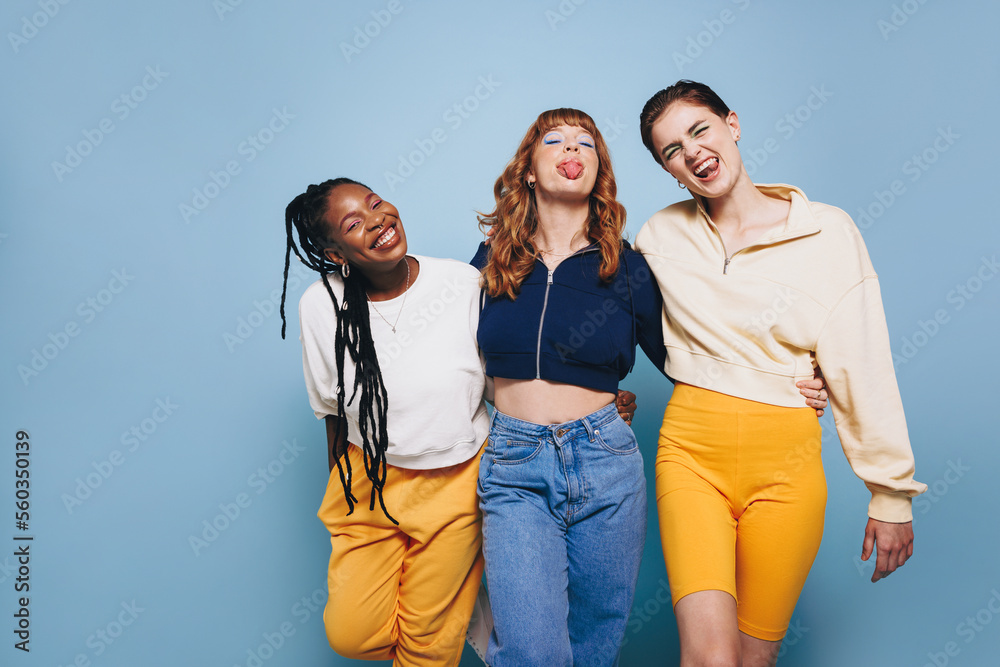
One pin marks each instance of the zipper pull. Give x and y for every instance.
(549, 282)
(725, 267)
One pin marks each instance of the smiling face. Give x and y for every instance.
(698, 148)
(564, 163)
(362, 229)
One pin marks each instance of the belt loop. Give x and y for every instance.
(493, 418)
(590, 428)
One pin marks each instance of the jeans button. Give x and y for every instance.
(560, 433)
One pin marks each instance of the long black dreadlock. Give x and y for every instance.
(306, 214)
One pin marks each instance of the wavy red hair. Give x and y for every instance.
(515, 217)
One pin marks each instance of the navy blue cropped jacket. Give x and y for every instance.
(568, 326)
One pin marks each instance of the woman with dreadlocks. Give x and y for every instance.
(391, 364)
(402, 395)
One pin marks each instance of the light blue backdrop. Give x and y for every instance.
(149, 151)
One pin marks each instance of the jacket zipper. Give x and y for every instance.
(541, 321)
(545, 304)
(755, 244)
(729, 258)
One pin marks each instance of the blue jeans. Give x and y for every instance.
(564, 521)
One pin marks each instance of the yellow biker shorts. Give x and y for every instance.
(741, 497)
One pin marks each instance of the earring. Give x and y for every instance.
(681, 185)
(345, 270)
(531, 185)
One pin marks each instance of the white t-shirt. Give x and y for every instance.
(431, 367)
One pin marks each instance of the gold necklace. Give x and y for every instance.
(405, 290)
(555, 254)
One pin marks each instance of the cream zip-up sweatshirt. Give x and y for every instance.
(754, 323)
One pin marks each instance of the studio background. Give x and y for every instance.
(149, 152)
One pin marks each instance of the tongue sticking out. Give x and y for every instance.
(710, 169)
(570, 170)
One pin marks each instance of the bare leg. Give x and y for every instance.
(709, 635)
(758, 652)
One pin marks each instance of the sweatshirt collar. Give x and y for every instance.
(800, 222)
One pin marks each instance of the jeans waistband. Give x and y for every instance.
(576, 428)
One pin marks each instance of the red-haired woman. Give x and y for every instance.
(561, 483)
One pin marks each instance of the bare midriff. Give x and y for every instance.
(545, 402)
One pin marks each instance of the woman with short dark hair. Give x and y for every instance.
(760, 286)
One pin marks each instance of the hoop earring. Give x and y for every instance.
(681, 185)
(345, 270)
(531, 185)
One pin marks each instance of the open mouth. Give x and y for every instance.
(386, 237)
(707, 169)
(571, 169)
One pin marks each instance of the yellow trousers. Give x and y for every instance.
(741, 496)
(404, 592)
